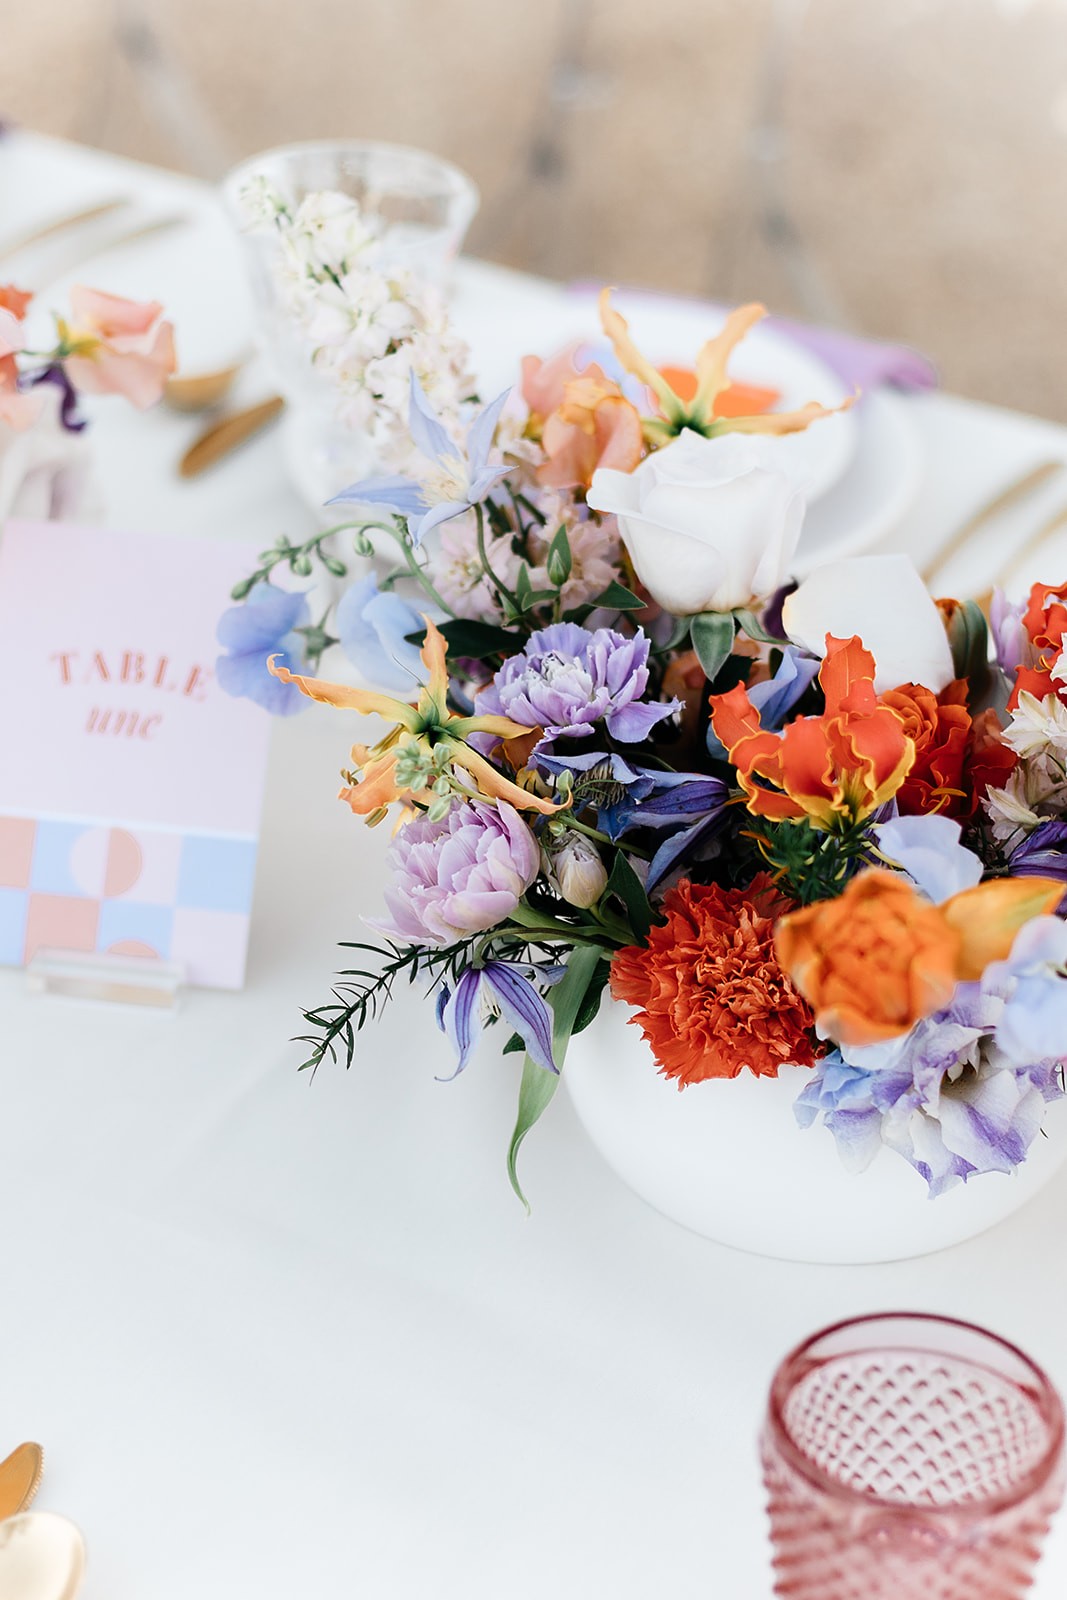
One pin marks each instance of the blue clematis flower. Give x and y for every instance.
(467, 478)
(262, 627)
(373, 629)
(498, 986)
(775, 697)
(1042, 854)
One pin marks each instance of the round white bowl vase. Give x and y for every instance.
(727, 1159)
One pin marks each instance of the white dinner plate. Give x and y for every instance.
(863, 468)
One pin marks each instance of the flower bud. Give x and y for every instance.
(578, 871)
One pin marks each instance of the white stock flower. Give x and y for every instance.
(1037, 725)
(710, 524)
(1034, 790)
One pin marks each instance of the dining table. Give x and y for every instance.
(284, 1334)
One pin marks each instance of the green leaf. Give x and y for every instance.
(514, 1046)
(616, 597)
(592, 997)
(523, 586)
(751, 624)
(625, 883)
(538, 1086)
(968, 637)
(712, 635)
(479, 639)
(559, 561)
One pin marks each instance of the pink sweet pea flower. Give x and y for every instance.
(543, 382)
(17, 409)
(118, 347)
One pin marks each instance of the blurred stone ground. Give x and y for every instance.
(899, 167)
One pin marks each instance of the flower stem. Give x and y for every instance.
(501, 588)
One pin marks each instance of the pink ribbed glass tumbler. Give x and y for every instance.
(909, 1457)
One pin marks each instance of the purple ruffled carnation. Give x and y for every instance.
(459, 876)
(568, 679)
(946, 1097)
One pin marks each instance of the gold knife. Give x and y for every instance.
(20, 1478)
(226, 434)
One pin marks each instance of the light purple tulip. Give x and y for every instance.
(459, 876)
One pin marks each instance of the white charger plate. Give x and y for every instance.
(863, 469)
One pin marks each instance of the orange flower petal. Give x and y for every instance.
(988, 917)
(345, 698)
(714, 356)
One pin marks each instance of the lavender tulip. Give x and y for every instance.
(462, 875)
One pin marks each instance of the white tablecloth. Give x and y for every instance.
(283, 1338)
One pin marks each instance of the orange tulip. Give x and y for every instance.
(832, 770)
(876, 960)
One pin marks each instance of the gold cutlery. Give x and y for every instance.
(104, 247)
(201, 390)
(225, 435)
(42, 1557)
(1002, 501)
(73, 219)
(20, 1478)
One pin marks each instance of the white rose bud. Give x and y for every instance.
(710, 524)
(578, 872)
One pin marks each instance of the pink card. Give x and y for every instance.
(130, 785)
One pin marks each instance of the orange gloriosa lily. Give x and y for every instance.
(831, 770)
(700, 408)
(424, 745)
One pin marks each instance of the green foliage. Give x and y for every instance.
(968, 637)
(624, 883)
(810, 863)
(538, 1086)
(712, 637)
(559, 562)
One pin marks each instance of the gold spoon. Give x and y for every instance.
(20, 1478)
(226, 434)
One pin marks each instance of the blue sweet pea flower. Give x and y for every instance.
(462, 479)
(928, 849)
(373, 629)
(262, 627)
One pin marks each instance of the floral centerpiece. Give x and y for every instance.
(625, 755)
(106, 345)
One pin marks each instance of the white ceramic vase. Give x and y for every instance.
(727, 1159)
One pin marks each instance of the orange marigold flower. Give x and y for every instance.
(712, 996)
(834, 769)
(880, 957)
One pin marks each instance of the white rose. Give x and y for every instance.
(883, 601)
(710, 524)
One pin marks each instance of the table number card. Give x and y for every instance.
(130, 785)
